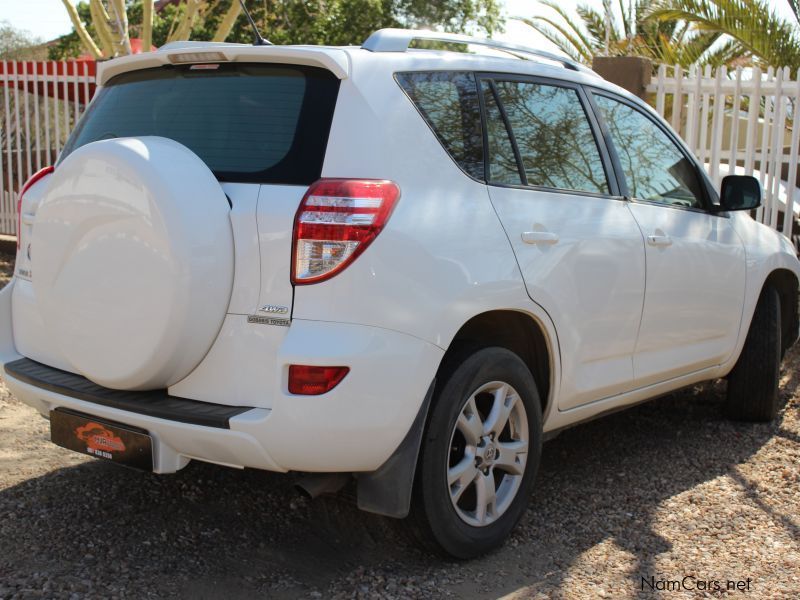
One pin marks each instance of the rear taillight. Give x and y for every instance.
(336, 221)
(312, 381)
(28, 184)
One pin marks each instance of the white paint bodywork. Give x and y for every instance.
(623, 322)
(591, 282)
(695, 292)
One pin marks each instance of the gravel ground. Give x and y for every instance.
(6, 268)
(665, 490)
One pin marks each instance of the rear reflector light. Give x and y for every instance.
(337, 220)
(313, 381)
(28, 184)
(196, 57)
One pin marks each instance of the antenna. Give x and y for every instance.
(257, 39)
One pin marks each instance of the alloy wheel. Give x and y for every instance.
(488, 453)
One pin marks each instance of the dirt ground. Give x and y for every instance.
(626, 506)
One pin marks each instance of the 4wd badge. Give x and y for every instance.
(274, 309)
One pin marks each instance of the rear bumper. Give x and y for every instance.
(157, 403)
(354, 428)
(174, 443)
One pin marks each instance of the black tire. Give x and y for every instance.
(433, 519)
(753, 383)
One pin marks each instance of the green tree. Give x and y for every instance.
(633, 34)
(16, 44)
(334, 22)
(752, 27)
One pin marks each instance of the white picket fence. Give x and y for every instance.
(744, 121)
(40, 102)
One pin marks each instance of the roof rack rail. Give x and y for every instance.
(398, 40)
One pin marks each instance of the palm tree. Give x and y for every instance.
(752, 28)
(663, 40)
(795, 6)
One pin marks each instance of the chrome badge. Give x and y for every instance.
(274, 309)
(268, 321)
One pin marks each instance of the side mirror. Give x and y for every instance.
(740, 192)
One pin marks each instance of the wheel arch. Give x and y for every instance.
(515, 330)
(786, 284)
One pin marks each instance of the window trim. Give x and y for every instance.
(523, 176)
(614, 191)
(709, 206)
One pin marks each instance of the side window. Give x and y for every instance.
(655, 168)
(555, 140)
(449, 103)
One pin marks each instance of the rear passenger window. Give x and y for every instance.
(552, 132)
(449, 103)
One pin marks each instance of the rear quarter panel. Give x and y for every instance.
(443, 256)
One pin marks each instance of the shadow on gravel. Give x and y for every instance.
(211, 532)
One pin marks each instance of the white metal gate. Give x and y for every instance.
(744, 121)
(40, 102)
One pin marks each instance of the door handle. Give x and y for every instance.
(539, 237)
(659, 240)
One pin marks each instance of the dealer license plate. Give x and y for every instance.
(102, 439)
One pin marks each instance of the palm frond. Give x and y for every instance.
(751, 23)
(596, 25)
(571, 24)
(626, 25)
(556, 35)
(795, 6)
(728, 54)
(680, 32)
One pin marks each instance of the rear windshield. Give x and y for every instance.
(248, 122)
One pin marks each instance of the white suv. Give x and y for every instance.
(406, 267)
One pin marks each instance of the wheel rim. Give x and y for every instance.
(488, 453)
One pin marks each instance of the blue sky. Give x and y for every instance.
(48, 19)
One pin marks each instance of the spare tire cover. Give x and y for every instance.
(132, 261)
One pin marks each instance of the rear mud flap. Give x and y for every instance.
(387, 491)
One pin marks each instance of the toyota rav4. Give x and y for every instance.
(402, 266)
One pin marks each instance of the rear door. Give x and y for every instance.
(695, 260)
(578, 247)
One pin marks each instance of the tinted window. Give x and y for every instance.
(250, 122)
(654, 167)
(449, 103)
(554, 137)
(503, 167)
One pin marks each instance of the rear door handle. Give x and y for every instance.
(539, 237)
(659, 240)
